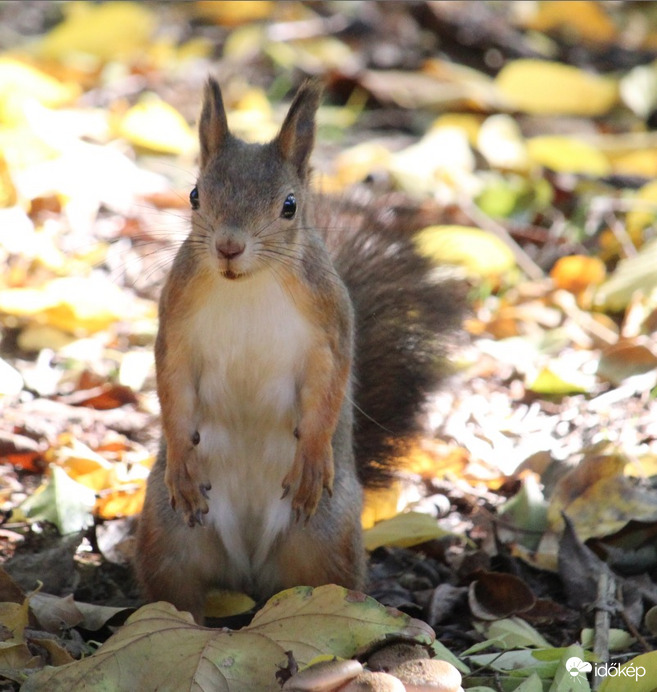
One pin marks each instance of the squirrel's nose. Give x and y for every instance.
(229, 249)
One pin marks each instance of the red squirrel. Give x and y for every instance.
(269, 346)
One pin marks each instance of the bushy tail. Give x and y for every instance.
(406, 311)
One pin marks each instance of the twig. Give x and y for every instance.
(606, 588)
(629, 624)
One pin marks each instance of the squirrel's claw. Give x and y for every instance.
(312, 475)
(185, 492)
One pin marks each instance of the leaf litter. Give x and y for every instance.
(535, 480)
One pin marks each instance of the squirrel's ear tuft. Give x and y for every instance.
(297, 136)
(213, 126)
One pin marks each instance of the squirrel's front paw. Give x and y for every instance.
(187, 492)
(311, 472)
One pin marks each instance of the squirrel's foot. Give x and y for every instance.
(311, 473)
(187, 493)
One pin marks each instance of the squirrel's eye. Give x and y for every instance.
(289, 207)
(193, 198)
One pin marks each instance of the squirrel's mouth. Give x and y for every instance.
(230, 274)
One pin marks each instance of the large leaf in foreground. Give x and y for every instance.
(161, 648)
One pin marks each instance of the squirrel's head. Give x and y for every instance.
(249, 200)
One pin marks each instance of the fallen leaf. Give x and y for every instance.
(644, 215)
(109, 31)
(639, 673)
(599, 499)
(380, 504)
(584, 20)
(235, 12)
(442, 160)
(480, 253)
(568, 155)
(154, 124)
(550, 88)
(223, 603)
(524, 516)
(496, 595)
(624, 359)
(54, 613)
(21, 83)
(559, 378)
(576, 273)
(501, 141)
(159, 647)
(512, 633)
(62, 501)
(619, 640)
(404, 530)
(73, 304)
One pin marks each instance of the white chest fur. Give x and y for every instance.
(251, 341)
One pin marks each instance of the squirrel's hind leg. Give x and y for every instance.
(303, 557)
(174, 562)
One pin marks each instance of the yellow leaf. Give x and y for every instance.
(22, 147)
(599, 499)
(251, 117)
(15, 618)
(235, 12)
(244, 42)
(355, 164)
(154, 124)
(645, 213)
(72, 304)
(638, 674)
(577, 272)
(558, 379)
(568, 155)
(640, 162)
(550, 88)
(403, 531)
(582, 20)
(380, 504)
(122, 502)
(108, 31)
(222, 603)
(21, 83)
(479, 252)
(7, 190)
(469, 123)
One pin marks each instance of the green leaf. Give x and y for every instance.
(520, 662)
(62, 501)
(527, 511)
(513, 632)
(634, 274)
(564, 680)
(441, 652)
(532, 684)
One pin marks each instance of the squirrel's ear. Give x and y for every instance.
(213, 126)
(297, 136)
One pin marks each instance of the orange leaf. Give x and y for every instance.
(577, 272)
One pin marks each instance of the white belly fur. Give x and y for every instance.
(251, 341)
